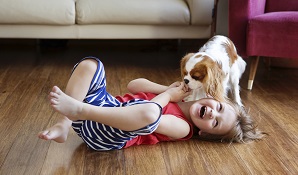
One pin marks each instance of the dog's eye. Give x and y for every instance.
(198, 77)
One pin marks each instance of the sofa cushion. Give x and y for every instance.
(281, 5)
(273, 33)
(51, 12)
(201, 11)
(163, 12)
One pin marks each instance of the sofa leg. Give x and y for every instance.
(253, 70)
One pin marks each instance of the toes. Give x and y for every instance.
(53, 101)
(43, 135)
(52, 94)
(56, 89)
(53, 97)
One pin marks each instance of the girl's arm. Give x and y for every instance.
(144, 85)
(173, 127)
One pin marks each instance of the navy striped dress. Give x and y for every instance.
(102, 137)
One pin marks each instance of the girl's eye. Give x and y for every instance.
(220, 106)
(216, 123)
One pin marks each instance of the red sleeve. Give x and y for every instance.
(140, 95)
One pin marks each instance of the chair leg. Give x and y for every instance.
(253, 70)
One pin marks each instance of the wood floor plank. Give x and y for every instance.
(185, 160)
(256, 157)
(104, 162)
(144, 160)
(221, 158)
(4, 93)
(25, 126)
(10, 76)
(66, 158)
(281, 139)
(19, 117)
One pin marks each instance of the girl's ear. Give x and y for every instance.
(202, 133)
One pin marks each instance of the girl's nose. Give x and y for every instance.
(211, 114)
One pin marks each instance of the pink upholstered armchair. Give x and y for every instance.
(264, 28)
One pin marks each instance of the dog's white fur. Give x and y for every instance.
(214, 70)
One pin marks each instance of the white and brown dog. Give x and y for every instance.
(213, 71)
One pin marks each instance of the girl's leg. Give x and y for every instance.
(77, 87)
(127, 118)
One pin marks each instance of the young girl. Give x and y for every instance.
(150, 114)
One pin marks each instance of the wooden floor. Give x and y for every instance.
(27, 75)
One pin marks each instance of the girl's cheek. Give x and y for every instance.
(202, 125)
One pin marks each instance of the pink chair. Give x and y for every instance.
(264, 28)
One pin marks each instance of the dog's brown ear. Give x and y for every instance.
(185, 59)
(214, 85)
(183, 63)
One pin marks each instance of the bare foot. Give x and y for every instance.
(65, 104)
(58, 133)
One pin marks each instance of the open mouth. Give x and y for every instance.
(202, 111)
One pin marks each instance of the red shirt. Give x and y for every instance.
(171, 108)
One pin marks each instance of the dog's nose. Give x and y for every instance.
(186, 81)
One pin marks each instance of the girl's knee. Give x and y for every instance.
(88, 64)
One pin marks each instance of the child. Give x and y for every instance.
(105, 122)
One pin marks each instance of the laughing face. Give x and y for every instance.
(213, 117)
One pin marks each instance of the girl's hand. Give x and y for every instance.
(175, 84)
(178, 91)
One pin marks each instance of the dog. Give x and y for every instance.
(215, 70)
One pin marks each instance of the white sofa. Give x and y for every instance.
(106, 19)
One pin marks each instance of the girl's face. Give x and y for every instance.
(212, 117)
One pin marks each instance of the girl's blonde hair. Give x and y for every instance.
(244, 131)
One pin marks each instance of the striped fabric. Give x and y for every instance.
(101, 137)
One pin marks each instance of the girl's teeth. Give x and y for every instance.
(202, 111)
